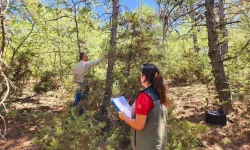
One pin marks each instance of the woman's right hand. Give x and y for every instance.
(122, 115)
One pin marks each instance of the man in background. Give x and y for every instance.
(81, 77)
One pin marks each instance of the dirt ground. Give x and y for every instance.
(26, 116)
(190, 103)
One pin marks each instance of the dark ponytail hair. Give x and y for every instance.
(161, 89)
(153, 76)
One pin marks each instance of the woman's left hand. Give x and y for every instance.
(122, 115)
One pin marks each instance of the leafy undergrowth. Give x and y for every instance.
(71, 132)
(45, 128)
(183, 134)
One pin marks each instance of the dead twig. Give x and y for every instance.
(7, 92)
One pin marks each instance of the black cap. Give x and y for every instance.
(149, 71)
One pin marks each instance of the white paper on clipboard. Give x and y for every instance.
(122, 105)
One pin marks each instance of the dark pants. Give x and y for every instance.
(81, 92)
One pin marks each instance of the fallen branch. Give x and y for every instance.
(1, 60)
(7, 92)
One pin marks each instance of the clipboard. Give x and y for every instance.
(122, 105)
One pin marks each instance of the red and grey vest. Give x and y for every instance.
(153, 135)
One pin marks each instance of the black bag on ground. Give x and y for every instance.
(216, 117)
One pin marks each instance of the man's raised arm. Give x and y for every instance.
(92, 63)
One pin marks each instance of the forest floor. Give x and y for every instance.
(190, 104)
(189, 101)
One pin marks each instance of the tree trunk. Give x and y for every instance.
(221, 83)
(77, 28)
(223, 29)
(192, 15)
(58, 44)
(3, 25)
(111, 60)
(2, 48)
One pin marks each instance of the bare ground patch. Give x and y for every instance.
(191, 103)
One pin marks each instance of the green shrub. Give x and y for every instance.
(183, 134)
(191, 67)
(71, 132)
(119, 138)
(47, 83)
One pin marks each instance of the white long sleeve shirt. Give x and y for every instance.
(81, 67)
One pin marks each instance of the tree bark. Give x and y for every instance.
(111, 60)
(221, 82)
(223, 29)
(77, 28)
(58, 44)
(192, 15)
(3, 25)
(2, 48)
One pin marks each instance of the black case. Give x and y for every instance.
(216, 117)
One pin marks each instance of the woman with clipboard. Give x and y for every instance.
(149, 112)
